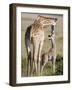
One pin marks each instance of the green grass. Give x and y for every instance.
(48, 67)
(24, 67)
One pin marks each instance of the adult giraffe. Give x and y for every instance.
(35, 32)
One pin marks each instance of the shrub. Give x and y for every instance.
(59, 65)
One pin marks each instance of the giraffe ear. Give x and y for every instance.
(55, 19)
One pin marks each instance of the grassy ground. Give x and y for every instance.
(26, 20)
(48, 67)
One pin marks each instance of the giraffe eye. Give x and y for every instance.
(49, 35)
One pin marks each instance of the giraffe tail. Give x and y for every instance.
(27, 38)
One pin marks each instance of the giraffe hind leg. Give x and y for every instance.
(35, 53)
(42, 68)
(53, 64)
(39, 55)
(29, 64)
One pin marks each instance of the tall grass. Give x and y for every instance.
(24, 67)
(47, 69)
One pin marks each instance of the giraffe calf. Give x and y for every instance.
(50, 55)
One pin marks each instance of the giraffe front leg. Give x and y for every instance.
(42, 68)
(54, 60)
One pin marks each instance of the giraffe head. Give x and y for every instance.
(44, 20)
(52, 36)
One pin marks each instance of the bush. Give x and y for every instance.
(59, 65)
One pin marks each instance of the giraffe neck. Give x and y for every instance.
(53, 43)
(36, 27)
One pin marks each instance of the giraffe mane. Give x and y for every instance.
(47, 17)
